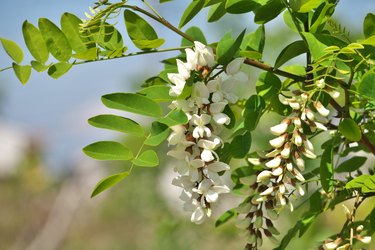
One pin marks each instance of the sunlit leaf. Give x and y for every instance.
(108, 182)
(228, 47)
(240, 6)
(175, 117)
(134, 103)
(292, 50)
(59, 69)
(12, 49)
(351, 164)
(22, 72)
(108, 150)
(158, 93)
(117, 123)
(268, 11)
(232, 213)
(57, 43)
(369, 25)
(191, 11)
(216, 12)
(196, 33)
(240, 145)
(159, 133)
(366, 86)
(34, 42)
(326, 170)
(148, 158)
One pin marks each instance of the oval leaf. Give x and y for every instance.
(147, 159)
(369, 25)
(34, 42)
(134, 103)
(108, 150)
(158, 93)
(175, 117)
(108, 182)
(240, 6)
(117, 123)
(326, 170)
(228, 47)
(12, 49)
(70, 25)
(38, 66)
(350, 129)
(191, 11)
(232, 213)
(196, 33)
(22, 72)
(292, 50)
(57, 43)
(351, 164)
(269, 11)
(59, 69)
(141, 32)
(159, 133)
(240, 145)
(366, 86)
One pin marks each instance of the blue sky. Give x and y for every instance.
(58, 109)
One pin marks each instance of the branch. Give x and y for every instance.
(366, 142)
(271, 69)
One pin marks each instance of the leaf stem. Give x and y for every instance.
(1, 70)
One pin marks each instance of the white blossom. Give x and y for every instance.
(200, 122)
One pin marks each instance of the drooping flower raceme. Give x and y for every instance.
(199, 167)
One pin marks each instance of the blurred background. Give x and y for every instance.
(46, 181)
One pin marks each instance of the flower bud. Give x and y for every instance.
(263, 175)
(347, 212)
(254, 161)
(320, 83)
(267, 191)
(289, 166)
(321, 109)
(278, 141)
(297, 138)
(280, 128)
(278, 171)
(273, 153)
(309, 154)
(275, 162)
(282, 188)
(310, 115)
(298, 175)
(297, 122)
(294, 105)
(364, 239)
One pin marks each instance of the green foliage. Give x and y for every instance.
(228, 47)
(230, 214)
(22, 72)
(117, 123)
(191, 11)
(148, 158)
(240, 145)
(326, 170)
(108, 182)
(290, 51)
(108, 150)
(12, 49)
(350, 130)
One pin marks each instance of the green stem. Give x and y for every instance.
(133, 54)
(1, 70)
(152, 9)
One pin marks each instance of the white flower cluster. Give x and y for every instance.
(198, 165)
(285, 164)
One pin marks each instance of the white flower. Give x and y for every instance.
(297, 138)
(221, 118)
(365, 239)
(309, 153)
(280, 128)
(211, 171)
(178, 136)
(278, 141)
(297, 122)
(210, 191)
(278, 171)
(300, 163)
(320, 126)
(320, 83)
(183, 69)
(191, 58)
(265, 174)
(221, 90)
(335, 94)
(321, 109)
(300, 190)
(289, 166)
(273, 153)
(294, 105)
(267, 191)
(330, 245)
(275, 162)
(217, 107)
(254, 161)
(286, 151)
(234, 66)
(200, 94)
(187, 185)
(179, 84)
(298, 175)
(200, 121)
(282, 189)
(205, 55)
(208, 153)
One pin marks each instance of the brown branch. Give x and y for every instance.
(271, 69)
(366, 142)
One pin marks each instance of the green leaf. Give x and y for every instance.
(175, 117)
(303, 6)
(158, 93)
(350, 129)
(38, 66)
(141, 32)
(288, 20)
(89, 54)
(147, 159)
(34, 42)
(59, 69)
(318, 42)
(326, 170)
(268, 85)
(12, 49)
(195, 33)
(369, 185)
(357, 182)
(227, 48)
(232, 213)
(253, 44)
(269, 11)
(110, 39)
(321, 13)
(366, 86)
(229, 112)
(108, 150)
(134, 103)
(369, 25)
(117, 123)
(159, 133)
(253, 111)
(57, 43)
(191, 11)
(240, 145)
(70, 25)
(351, 164)
(292, 50)
(216, 12)
(108, 182)
(240, 6)
(22, 72)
